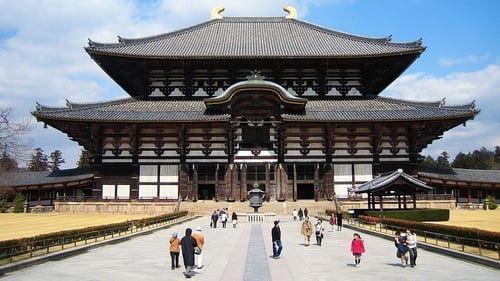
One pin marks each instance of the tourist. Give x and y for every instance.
(306, 212)
(234, 219)
(200, 241)
(223, 218)
(306, 230)
(215, 218)
(333, 222)
(402, 248)
(339, 221)
(188, 243)
(319, 232)
(276, 238)
(174, 250)
(357, 248)
(301, 214)
(411, 242)
(294, 214)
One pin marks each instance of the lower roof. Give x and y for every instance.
(356, 109)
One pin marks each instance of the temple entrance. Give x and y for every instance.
(206, 191)
(305, 191)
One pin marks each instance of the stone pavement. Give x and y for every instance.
(243, 253)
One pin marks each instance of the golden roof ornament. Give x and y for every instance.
(216, 13)
(292, 12)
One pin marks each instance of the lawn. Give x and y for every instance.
(27, 225)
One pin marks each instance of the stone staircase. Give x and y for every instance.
(206, 207)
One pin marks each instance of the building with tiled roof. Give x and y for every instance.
(220, 107)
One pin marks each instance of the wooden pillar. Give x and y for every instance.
(414, 196)
(317, 191)
(369, 201)
(295, 180)
(243, 182)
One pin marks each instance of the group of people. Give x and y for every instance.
(223, 215)
(300, 214)
(406, 247)
(192, 250)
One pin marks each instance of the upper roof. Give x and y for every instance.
(341, 110)
(255, 37)
(385, 181)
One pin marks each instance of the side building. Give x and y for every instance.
(234, 103)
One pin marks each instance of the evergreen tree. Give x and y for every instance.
(19, 203)
(56, 160)
(39, 161)
(442, 160)
(481, 159)
(84, 160)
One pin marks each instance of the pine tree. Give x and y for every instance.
(56, 160)
(84, 160)
(39, 161)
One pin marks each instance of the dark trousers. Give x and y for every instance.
(413, 256)
(277, 247)
(174, 257)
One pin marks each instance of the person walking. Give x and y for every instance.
(333, 222)
(301, 214)
(306, 230)
(234, 219)
(174, 250)
(306, 212)
(276, 238)
(223, 218)
(200, 241)
(357, 248)
(215, 218)
(319, 232)
(188, 243)
(411, 242)
(402, 248)
(294, 214)
(339, 221)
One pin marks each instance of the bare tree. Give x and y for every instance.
(12, 141)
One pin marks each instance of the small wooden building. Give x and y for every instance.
(396, 185)
(236, 102)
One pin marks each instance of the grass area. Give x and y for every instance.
(14, 226)
(477, 218)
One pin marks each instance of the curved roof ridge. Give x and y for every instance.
(433, 104)
(383, 41)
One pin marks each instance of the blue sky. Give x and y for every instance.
(42, 58)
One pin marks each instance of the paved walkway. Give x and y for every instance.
(243, 253)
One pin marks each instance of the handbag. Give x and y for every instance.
(197, 250)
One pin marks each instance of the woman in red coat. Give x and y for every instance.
(357, 248)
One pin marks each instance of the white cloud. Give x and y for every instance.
(483, 86)
(470, 59)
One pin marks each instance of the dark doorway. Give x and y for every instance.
(206, 191)
(305, 191)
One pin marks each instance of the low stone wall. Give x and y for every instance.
(115, 207)
(207, 207)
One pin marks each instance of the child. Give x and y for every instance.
(174, 250)
(357, 248)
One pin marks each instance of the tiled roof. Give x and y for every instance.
(255, 37)
(45, 177)
(463, 175)
(385, 180)
(375, 109)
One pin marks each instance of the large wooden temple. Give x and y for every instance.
(234, 103)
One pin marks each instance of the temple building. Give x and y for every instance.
(236, 103)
